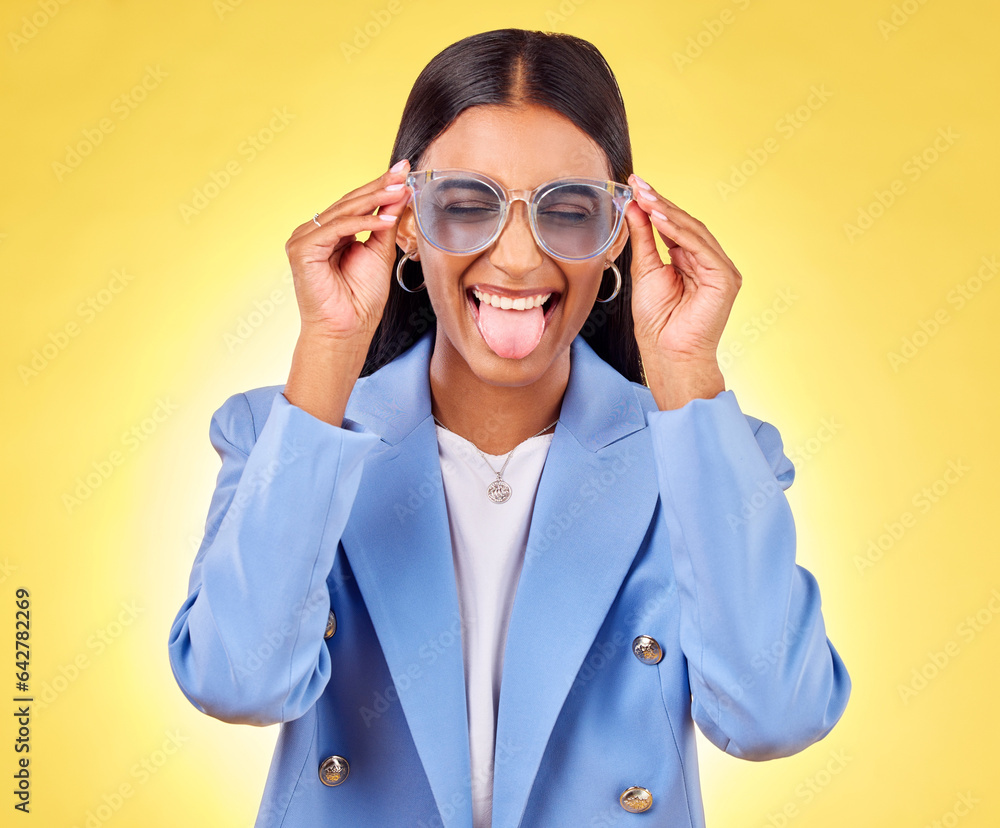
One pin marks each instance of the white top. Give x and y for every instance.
(488, 541)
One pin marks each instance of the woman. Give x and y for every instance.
(460, 616)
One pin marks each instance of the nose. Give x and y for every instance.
(515, 251)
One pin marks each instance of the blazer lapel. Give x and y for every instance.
(399, 546)
(595, 500)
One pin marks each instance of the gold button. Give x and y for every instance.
(331, 625)
(333, 771)
(636, 800)
(647, 649)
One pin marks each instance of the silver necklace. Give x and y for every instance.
(499, 490)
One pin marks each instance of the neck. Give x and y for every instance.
(494, 418)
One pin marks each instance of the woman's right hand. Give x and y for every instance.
(342, 284)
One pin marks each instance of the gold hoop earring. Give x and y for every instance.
(399, 274)
(618, 283)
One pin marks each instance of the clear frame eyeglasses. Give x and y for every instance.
(463, 212)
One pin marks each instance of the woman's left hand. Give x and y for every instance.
(680, 307)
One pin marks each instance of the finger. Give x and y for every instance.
(678, 229)
(390, 176)
(360, 206)
(648, 199)
(322, 242)
(385, 189)
(645, 256)
(692, 246)
(365, 202)
(383, 239)
(678, 218)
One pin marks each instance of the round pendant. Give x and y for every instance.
(499, 491)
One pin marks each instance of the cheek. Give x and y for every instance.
(442, 276)
(585, 282)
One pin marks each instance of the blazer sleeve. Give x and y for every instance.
(765, 679)
(247, 644)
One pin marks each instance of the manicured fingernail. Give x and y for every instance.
(658, 214)
(394, 187)
(398, 165)
(387, 217)
(647, 194)
(642, 184)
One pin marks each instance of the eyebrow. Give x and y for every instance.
(579, 189)
(464, 184)
(474, 184)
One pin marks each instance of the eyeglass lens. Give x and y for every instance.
(462, 214)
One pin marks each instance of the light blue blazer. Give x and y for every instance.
(672, 525)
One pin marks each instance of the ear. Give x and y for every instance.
(406, 232)
(618, 244)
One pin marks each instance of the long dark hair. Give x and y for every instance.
(507, 67)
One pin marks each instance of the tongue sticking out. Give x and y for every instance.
(512, 334)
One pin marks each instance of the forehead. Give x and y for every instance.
(520, 147)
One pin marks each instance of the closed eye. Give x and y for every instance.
(467, 210)
(565, 214)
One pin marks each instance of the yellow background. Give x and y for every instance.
(838, 97)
